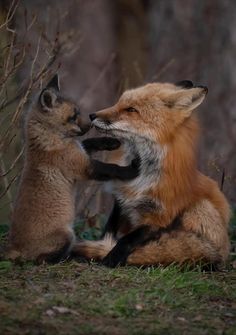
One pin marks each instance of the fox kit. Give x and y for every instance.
(44, 210)
(176, 214)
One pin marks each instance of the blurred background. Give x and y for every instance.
(102, 47)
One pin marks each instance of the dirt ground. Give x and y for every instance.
(77, 298)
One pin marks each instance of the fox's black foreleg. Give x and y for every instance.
(114, 220)
(137, 238)
(127, 244)
(104, 171)
(101, 143)
(117, 221)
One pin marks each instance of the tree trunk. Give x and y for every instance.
(198, 43)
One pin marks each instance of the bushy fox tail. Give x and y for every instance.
(179, 248)
(96, 250)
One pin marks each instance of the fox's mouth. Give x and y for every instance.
(110, 128)
(101, 129)
(101, 126)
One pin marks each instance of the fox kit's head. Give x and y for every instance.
(154, 111)
(56, 114)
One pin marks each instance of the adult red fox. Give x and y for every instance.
(176, 214)
(44, 210)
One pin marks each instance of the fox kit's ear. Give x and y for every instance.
(187, 100)
(54, 83)
(184, 84)
(47, 100)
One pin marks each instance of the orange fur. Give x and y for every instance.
(156, 121)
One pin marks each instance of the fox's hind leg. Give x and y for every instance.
(138, 237)
(58, 247)
(180, 247)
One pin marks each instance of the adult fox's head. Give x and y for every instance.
(154, 111)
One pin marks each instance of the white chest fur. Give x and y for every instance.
(151, 158)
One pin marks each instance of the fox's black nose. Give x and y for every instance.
(92, 116)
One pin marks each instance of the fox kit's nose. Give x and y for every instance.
(92, 116)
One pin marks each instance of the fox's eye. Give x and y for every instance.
(131, 110)
(72, 118)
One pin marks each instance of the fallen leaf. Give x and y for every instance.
(139, 307)
(50, 312)
(61, 310)
(64, 310)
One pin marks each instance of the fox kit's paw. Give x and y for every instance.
(55, 256)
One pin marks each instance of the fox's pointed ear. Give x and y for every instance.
(47, 100)
(48, 96)
(54, 83)
(187, 100)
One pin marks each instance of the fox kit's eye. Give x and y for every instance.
(73, 118)
(131, 110)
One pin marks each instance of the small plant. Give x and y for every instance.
(90, 228)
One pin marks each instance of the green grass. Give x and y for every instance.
(73, 298)
(76, 298)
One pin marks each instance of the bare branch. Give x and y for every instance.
(12, 61)
(10, 14)
(13, 164)
(8, 186)
(101, 75)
